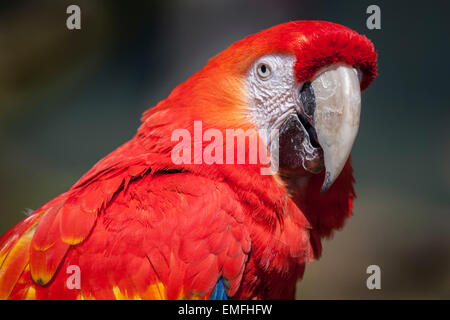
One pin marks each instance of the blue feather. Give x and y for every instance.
(219, 292)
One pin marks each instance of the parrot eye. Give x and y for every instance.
(264, 71)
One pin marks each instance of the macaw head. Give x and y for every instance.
(305, 79)
(302, 79)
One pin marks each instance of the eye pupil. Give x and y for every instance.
(264, 71)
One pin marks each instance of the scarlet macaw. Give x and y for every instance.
(139, 225)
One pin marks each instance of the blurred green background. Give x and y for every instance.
(68, 98)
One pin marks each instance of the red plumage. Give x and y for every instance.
(140, 226)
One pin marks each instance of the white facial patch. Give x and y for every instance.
(273, 97)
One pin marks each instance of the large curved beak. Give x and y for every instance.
(336, 117)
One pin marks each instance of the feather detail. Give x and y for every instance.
(219, 291)
(77, 219)
(44, 263)
(14, 263)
